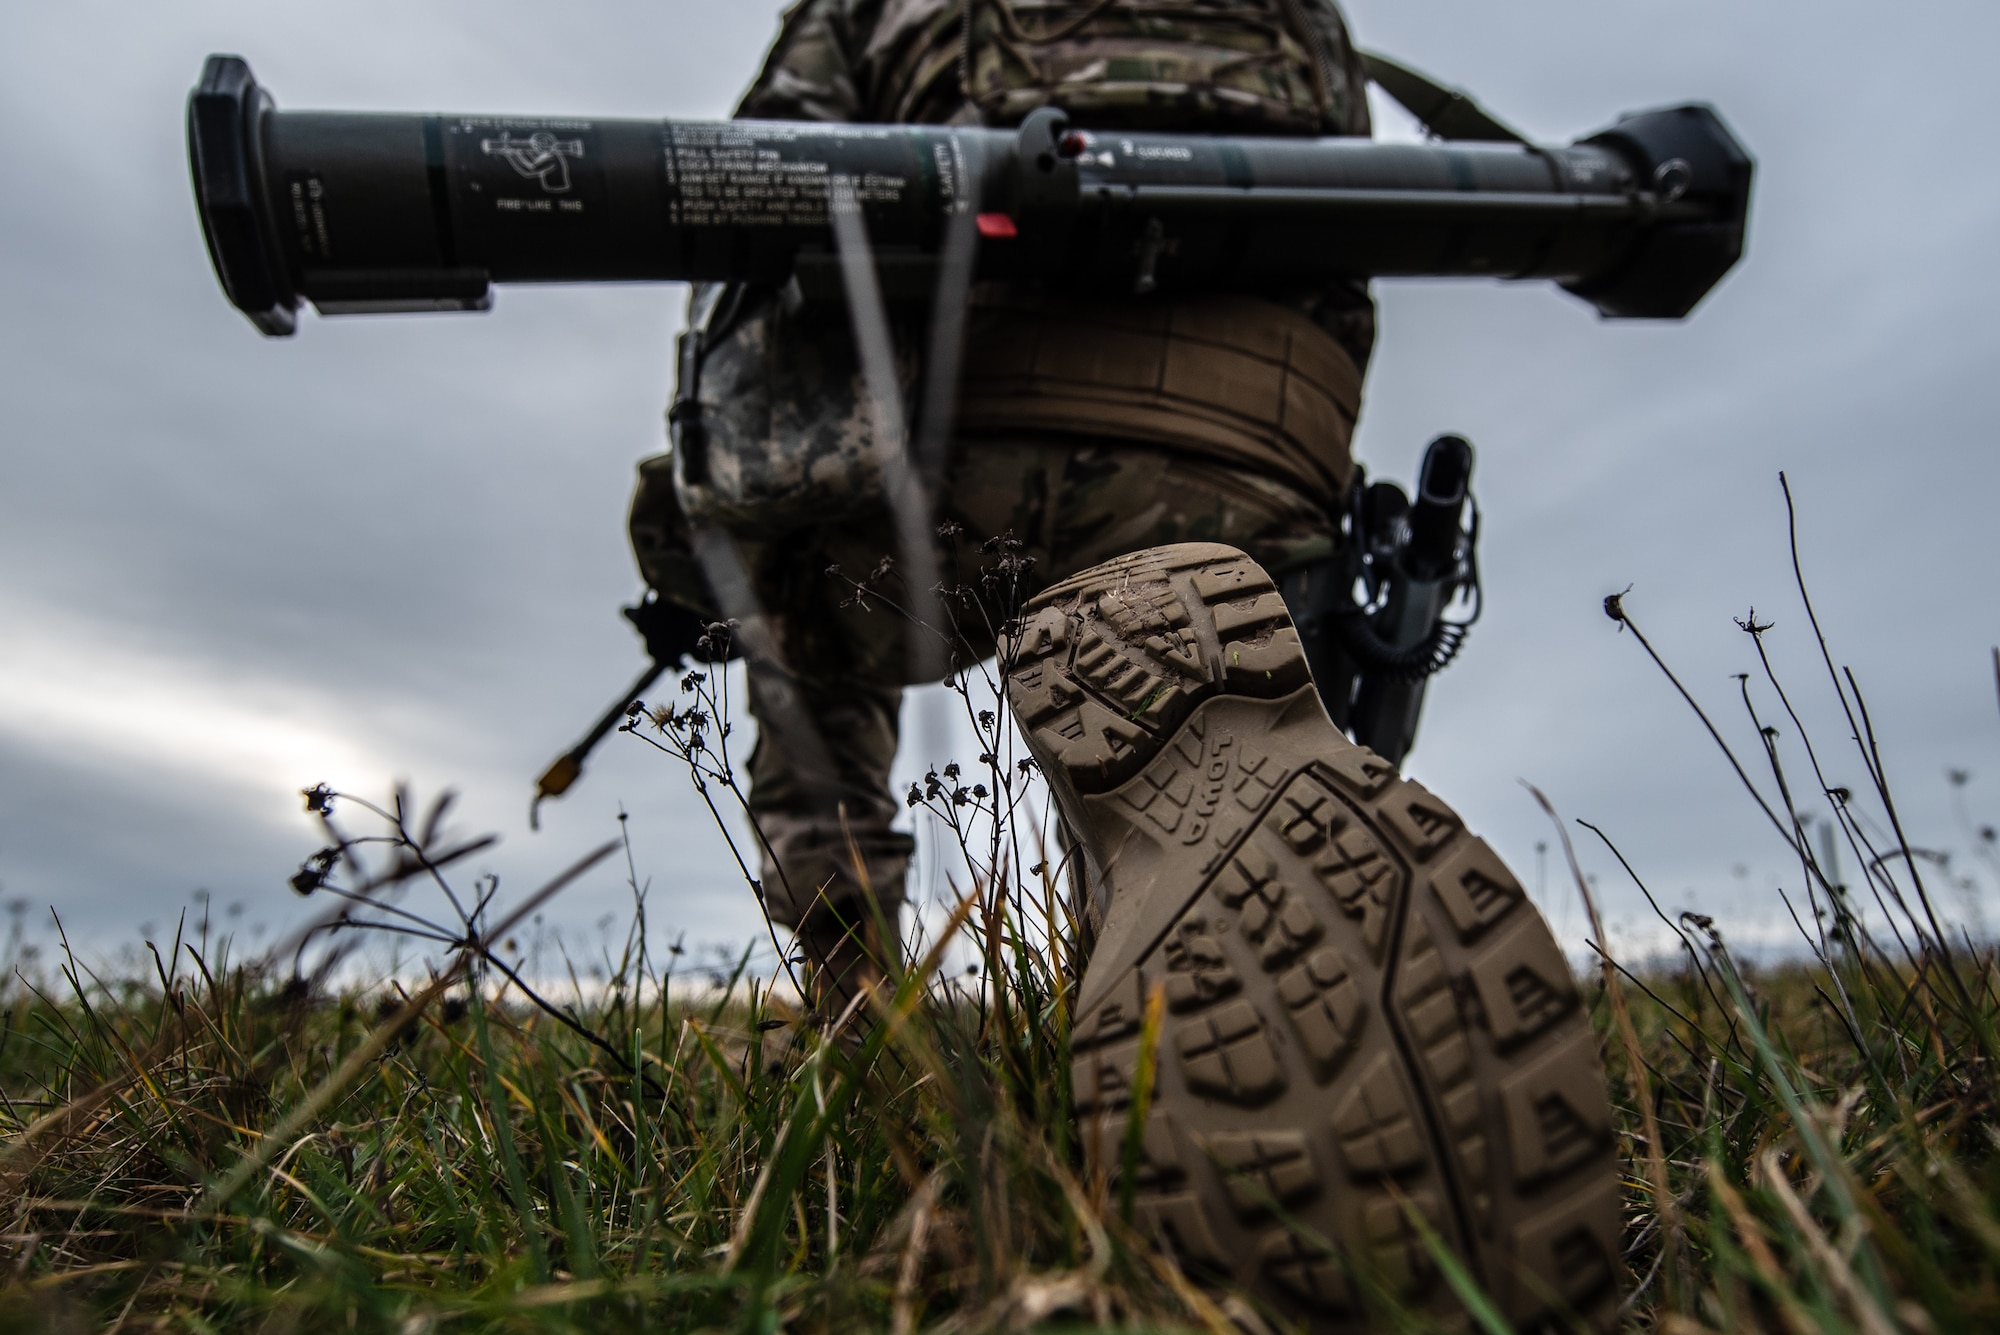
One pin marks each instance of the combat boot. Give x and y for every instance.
(1367, 1044)
(845, 959)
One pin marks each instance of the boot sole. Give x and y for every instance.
(1360, 1015)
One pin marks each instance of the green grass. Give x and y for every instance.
(220, 1146)
(492, 1170)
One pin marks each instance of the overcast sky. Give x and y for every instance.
(232, 567)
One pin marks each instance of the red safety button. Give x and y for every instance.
(996, 226)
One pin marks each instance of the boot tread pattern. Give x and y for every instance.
(1364, 1021)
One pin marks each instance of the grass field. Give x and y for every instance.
(228, 1146)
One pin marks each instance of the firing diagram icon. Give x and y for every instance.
(540, 157)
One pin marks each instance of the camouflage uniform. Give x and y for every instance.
(1074, 433)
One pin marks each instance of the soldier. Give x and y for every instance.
(1345, 964)
(1087, 429)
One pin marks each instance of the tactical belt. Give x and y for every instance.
(1238, 379)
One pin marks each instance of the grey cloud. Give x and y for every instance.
(417, 521)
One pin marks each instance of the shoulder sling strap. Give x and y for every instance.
(1448, 113)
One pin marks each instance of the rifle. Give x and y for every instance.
(363, 213)
(1375, 619)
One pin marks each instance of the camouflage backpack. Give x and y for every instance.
(1248, 66)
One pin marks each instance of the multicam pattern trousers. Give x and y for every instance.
(827, 669)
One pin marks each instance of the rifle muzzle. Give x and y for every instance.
(1442, 486)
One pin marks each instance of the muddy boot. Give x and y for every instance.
(1362, 1014)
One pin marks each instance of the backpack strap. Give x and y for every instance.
(1448, 113)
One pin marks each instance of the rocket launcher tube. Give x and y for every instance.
(361, 213)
